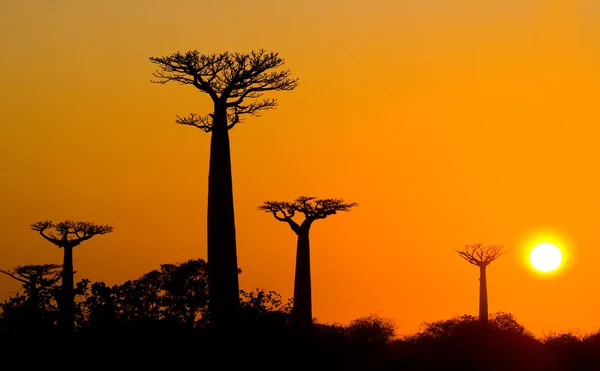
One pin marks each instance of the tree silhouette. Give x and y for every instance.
(185, 288)
(481, 256)
(100, 308)
(38, 282)
(67, 235)
(313, 209)
(173, 297)
(235, 83)
(35, 279)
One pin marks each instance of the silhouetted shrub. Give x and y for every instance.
(462, 343)
(371, 330)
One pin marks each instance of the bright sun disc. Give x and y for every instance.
(545, 257)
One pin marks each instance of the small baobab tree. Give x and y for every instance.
(235, 83)
(313, 209)
(481, 256)
(36, 281)
(67, 235)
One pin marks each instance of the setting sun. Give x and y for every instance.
(545, 257)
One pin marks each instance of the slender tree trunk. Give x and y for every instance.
(483, 299)
(34, 301)
(222, 256)
(34, 297)
(67, 305)
(302, 308)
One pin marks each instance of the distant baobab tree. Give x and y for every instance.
(235, 83)
(313, 209)
(66, 235)
(34, 279)
(481, 256)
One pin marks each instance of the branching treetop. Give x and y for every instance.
(235, 81)
(480, 255)
(312, 208)
(69, 233)
(35, 274)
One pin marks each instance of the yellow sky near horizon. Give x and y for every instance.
(449, 122)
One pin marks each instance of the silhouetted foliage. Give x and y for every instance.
(37, 281)
(462, 343)
(573, 351)
(481, 256)
(312, 209)
(32, 312)
(235, 83)
(172, 299)
(151, 307)
(263, 302)
(176, 294)
(67, 235)
(371, 330)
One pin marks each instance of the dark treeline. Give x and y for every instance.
(173, 301)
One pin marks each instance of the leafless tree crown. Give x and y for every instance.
(234, 80)
(68, 232)
(312, 208)
(480, 255)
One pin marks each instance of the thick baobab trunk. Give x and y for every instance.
(222, 257)
(302, 309)
(67, 309)
(483, 299)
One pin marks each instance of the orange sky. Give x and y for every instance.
(449, 122)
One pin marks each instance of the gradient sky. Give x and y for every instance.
(449, 122)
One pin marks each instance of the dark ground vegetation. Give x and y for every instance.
(165, 305)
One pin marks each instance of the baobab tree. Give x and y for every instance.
(235, 83)
(67, 235)
(313, 209)
(35, 279)
(481, 256)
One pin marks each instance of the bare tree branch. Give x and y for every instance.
(69, 233)
(10, 274)
(235, 81)
(311, 207)
(480, 255)
(201, 122)
(34, 274)
(282, 211)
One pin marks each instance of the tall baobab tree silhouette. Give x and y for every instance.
(313, 209)
(67, 235)
(235, 83)
(481, 256)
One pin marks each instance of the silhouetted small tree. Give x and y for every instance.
(36, 281)
(235, 83)
(262, 302)
(371, 330)
(176, 293)
(185, 288)
(34, 311)
(481, 256)
(101, 309)
(264, 319)
(313, 209)
(67, 235)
